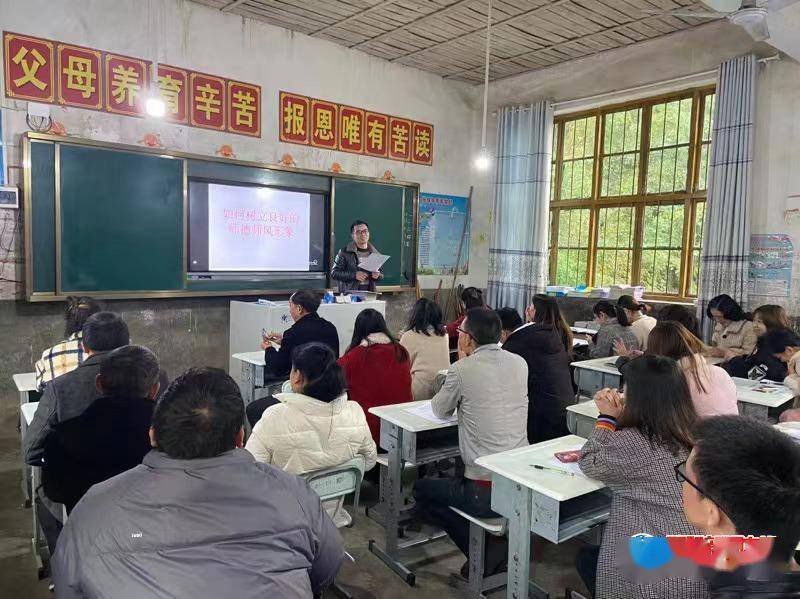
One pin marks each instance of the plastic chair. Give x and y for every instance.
(333, 485)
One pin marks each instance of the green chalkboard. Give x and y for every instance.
(121, 221)
(389, 210)
(108, 220)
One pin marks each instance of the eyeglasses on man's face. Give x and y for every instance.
(682, 477)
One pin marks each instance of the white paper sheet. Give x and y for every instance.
(373, 262)
(425, 411)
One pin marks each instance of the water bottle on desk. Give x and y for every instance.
(328, 297)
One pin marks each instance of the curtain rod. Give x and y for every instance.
(646, 86)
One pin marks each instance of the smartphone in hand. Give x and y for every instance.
(568, 456)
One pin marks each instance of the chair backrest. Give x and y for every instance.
(338, 481)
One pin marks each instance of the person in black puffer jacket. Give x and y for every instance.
(545, 343)
(761, 363)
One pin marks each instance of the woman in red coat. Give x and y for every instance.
(377, 367)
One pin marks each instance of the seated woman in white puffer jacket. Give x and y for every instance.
(315, 426)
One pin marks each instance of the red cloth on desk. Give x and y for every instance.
(376, 378)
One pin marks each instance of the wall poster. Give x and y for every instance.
(771, 258)
(441, 222)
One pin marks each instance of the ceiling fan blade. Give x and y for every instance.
(699, 14)
(724, 5)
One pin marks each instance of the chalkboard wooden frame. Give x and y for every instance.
(287, 286)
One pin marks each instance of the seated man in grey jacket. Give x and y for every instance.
(489, 387)
(66, 397)
(199, 517)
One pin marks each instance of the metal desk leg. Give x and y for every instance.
(394, 482)
(247, 382)
(578, 384)
(27, 492)
(519, 542)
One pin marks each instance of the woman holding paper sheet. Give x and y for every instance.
(346, 269)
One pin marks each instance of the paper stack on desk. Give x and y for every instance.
(426, 411)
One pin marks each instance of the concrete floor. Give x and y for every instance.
(366, 578)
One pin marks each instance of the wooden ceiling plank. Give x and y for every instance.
(606, 33)
(353, 17)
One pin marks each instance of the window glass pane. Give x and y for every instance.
(578, 162)
(661, 248)
(705, 146)
(621, 142)
(573, 246)
(553, 162)
(670, 136)
(699, 220)
(614, 246)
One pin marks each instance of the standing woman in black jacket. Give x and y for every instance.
(545, 343)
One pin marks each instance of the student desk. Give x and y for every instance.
(595, 374)
(599, 373)
(252, 382)
(581, 418)
(756, 403)
(26, 387)
(409, 438)
(33, 473)
(555, 506)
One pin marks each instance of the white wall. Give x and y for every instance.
(207, 40)
(777, 163)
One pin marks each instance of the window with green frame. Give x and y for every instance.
(628, 194)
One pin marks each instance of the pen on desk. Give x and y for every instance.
(549, 469)
(350, 557)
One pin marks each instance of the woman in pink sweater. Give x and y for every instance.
(712, 389)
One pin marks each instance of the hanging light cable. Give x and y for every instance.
(483, 159)
(154, 105)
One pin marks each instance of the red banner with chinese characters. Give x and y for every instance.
(53, 72)
(127, 84)
(244, 115)
(377, 134)
(293, 118)
(173, 85)
(29, 67)
(207, 104)
(80, 73)
(422, 143)
(399, 138)
(323, 124)
(351, 129)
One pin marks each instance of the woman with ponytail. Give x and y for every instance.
(629, 312)
(67, 355)
(611, 332)
(314, 426)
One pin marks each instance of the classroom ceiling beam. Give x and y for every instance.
(430, 15)
(482, 29)
(229, 7)
(558, 45)
(353, 17)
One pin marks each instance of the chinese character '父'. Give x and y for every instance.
(29, 68)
